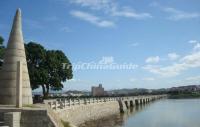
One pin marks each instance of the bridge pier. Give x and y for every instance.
(132, 103)
(144, 101)
(122, 106)
(137, 102)
(127, 105)
(141, 101)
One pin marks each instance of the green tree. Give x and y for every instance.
(57, 72)
(1, 40)
(46, 68)
(2, 48)
(36, 55)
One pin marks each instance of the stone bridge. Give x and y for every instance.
(124, 102)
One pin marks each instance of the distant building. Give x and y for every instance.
(191, 88)
(98, 91)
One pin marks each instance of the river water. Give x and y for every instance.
(162, 113)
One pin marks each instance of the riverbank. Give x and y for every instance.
(184, 96)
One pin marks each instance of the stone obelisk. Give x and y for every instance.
(8, 75)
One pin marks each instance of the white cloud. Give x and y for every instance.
(173, 56)
(148, 79)
(192, 60)
(167, 71)
(196, 44)
(193, 78)
(187, 62)
(134, 44)
(129, 13)
(92, 19)
(94, 4)
(153, 59)
(175, 14)
(179, 15)
(111, 8)
(193, 41)
(196, 47)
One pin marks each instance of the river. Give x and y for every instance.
(161, 113)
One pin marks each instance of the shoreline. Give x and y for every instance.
(184, 96)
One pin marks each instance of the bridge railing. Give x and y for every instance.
(64, 103)
(67, 103)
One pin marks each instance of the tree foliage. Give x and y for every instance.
(54, 63)
(1, 40)
(46, 67)
(36, 55)
(2, 48)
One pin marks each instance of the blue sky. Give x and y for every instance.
(161, 38)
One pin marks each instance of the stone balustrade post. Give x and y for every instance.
(79, 101)
(50, 105)
(69, 102)
(85, 101)
(55, 104)
(64, 103)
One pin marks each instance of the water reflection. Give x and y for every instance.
(116, 120)
(163, 113)
(167, 113)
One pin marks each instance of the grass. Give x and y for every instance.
(65, 124)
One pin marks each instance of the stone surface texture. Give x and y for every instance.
(12, 119)
(26, 117)
(8, 75)
(36, 118)
(80, 114)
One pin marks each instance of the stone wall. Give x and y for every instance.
(35, 118)
(12, 119)
(81, 113)
(29, 117)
